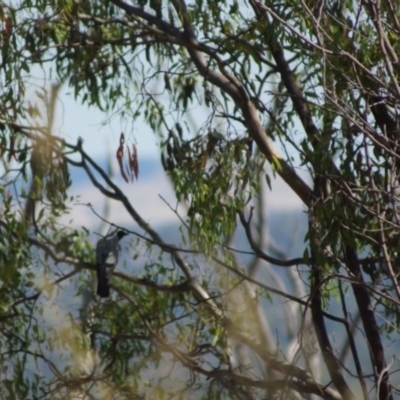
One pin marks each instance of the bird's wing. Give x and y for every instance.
(107, 250)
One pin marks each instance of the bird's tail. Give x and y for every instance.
(103, 287)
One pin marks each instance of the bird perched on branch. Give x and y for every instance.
(107, 253)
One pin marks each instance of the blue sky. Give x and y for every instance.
(101, 139)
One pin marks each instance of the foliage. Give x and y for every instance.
(307, 86)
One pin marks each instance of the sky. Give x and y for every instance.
(101, 139)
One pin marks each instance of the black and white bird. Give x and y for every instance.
(107, 253)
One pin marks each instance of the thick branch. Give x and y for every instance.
(334, 367)
(229, 85)
(370, 325)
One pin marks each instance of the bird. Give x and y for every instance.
(107, 253)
